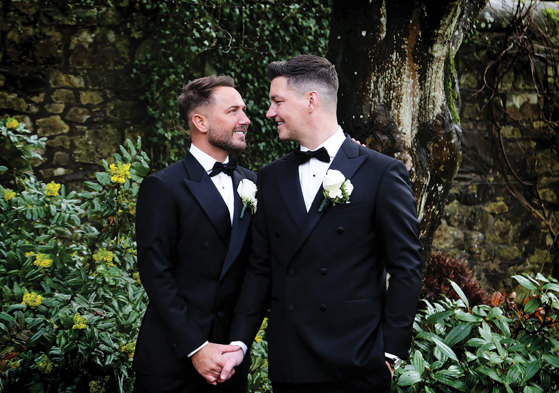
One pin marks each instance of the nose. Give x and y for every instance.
(244, 119)
(271, 112)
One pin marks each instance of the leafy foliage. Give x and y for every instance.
(237, 38)
(499, 348)
(71, 302)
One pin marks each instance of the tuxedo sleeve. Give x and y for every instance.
(254, 299)
(156, 229)
(397, 225)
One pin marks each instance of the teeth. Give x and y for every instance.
(239, 132)
(280, 123)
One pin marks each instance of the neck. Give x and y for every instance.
(319, 133)
(214, 152)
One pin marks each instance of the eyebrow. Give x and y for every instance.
(235, 107)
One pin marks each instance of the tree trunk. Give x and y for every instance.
(398, 88)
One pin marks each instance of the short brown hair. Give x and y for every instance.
(199, 93)
(307, 72)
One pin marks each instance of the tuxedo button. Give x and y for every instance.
(277, 233)
(291, 308)
(323, 270)
(323, 307)
(220, 314)
(340, 229)
(206, 244)
(291, 272)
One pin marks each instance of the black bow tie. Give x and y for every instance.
(303, 156)
(228, 168)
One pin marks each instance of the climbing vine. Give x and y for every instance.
(190, 39)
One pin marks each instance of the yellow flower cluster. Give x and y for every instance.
(45, 365)
(8, 194)
(104, 255)
(132, 208)
(96, 387)
(129, 349)
(12, 123)
(79, 322)
(119, 172)
(32, 299)
(261, 331)
(136, 276)
(12, 363)
(52, 189)
(42, 260)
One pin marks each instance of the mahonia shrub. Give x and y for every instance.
(502, 347)
(70, 301)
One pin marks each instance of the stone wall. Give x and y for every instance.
(483, 224)
(65, 70)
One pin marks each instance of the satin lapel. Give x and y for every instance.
(290, 190)
(203, 189)
(347, 161)
(240, 227)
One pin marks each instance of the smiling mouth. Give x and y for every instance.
(280, 123)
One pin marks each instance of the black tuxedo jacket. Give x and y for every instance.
(191, 262)
(323, 274)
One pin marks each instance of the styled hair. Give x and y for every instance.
(308, 72)
(198, 93)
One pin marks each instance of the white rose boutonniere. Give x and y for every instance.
(247, 192)
(337, 189)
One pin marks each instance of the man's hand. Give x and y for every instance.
(209, 361)
(232, 360)
(390, 368)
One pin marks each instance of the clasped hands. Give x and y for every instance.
(217, 362)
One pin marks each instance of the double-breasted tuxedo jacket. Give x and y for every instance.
(323, 274)
(191, 262)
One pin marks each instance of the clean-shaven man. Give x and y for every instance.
(319, 261)
(192, 237)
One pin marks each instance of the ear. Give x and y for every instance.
(200, 122)
(313, 98)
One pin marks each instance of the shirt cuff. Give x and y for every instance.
(390, 356)
(197, 349)
(240, 344)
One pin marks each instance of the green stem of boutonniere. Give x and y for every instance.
(322, 205)
(243, 211)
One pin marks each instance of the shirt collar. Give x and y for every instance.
(332, 144)
(204, 159)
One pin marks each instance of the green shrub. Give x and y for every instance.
(71, 302)
(499, 348)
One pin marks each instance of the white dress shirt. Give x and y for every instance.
(224, 184)
(312, 172)
(222, 181)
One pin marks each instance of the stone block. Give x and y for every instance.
(96, 144)
(77, 115)
(63, 96)
(497, 207)
(37, 99)
(60, 141)
(61, 171)
(55, 108)
(59, 79)
(83, 38)
(61, 158)
(90, 97)
(52, 125)
(12, 102)
(522, 105)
